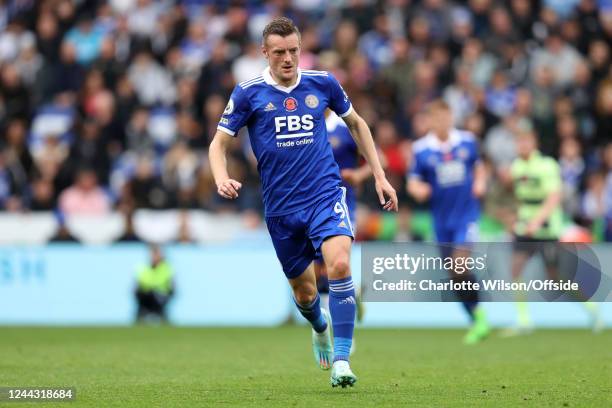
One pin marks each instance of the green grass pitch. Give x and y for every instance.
(192, 367)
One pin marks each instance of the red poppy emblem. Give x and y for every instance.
(290, 104)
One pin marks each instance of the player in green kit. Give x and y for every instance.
(537, 187)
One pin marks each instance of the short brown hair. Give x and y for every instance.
(282, 26)
(437, 105)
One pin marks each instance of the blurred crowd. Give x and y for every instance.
(111, 104)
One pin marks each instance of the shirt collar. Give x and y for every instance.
(453, 139)
(270, 81)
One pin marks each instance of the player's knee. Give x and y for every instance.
(305, 295)
(340, 268)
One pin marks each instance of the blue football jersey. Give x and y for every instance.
(287, 133)
(449, 169)
(346, 152)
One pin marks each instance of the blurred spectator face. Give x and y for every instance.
(107, 49)
(605, 18)
(94, 82)
(425, 75)
(604, 99)
(500, 21)
(386, 135)
(346, 36)
(283, 55)
(140, 120)
(197, 32)
(237, 18)
(461, 23)
(435, 4)
(214, 106)
(439, 56)
(475, 124)
(15, 133)
(472, 50)
(46, 26)
(400, 48)
(525, 143)
(310, 39)
(441, 120)
(523, 102)
(463, 77)
(480, 6)
(544, 76)
(65, 10)
(554, 43)
(87, 180)
(381, 23)
(607, 157)
(599, 53)
(67, 53)
(521, 8)
(10, 76)
(85, 25)
(570, 31)
(420, 125)
(186, 90)
(42, 191)
(549, 17)
(567, 127)
(144, 169)
(570, 149)
(419, 30)
(583, 74)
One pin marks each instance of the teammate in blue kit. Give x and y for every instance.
(305, 204)
(448, 172)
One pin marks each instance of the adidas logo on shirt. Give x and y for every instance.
(269, 107)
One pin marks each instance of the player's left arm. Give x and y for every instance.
(356, 176)
(479, 186)
(479, 182)
(363, 138)
(552, 186)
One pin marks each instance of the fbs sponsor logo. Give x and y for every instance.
(269, 107)
(348, 301)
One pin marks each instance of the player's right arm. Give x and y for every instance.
(217, 155)
(234, 117)
(420, 190)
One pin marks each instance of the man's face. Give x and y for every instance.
(283, 55)
(525, 144)
(441, 121)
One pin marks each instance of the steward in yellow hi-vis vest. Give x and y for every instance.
(155, 287)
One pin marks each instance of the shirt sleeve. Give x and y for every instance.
(417, 169)
(338, 100)
(236, 113)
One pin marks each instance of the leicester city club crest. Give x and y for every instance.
(229, 108)
(290, 104)
(312, 101)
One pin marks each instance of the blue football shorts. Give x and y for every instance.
(297, 237)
